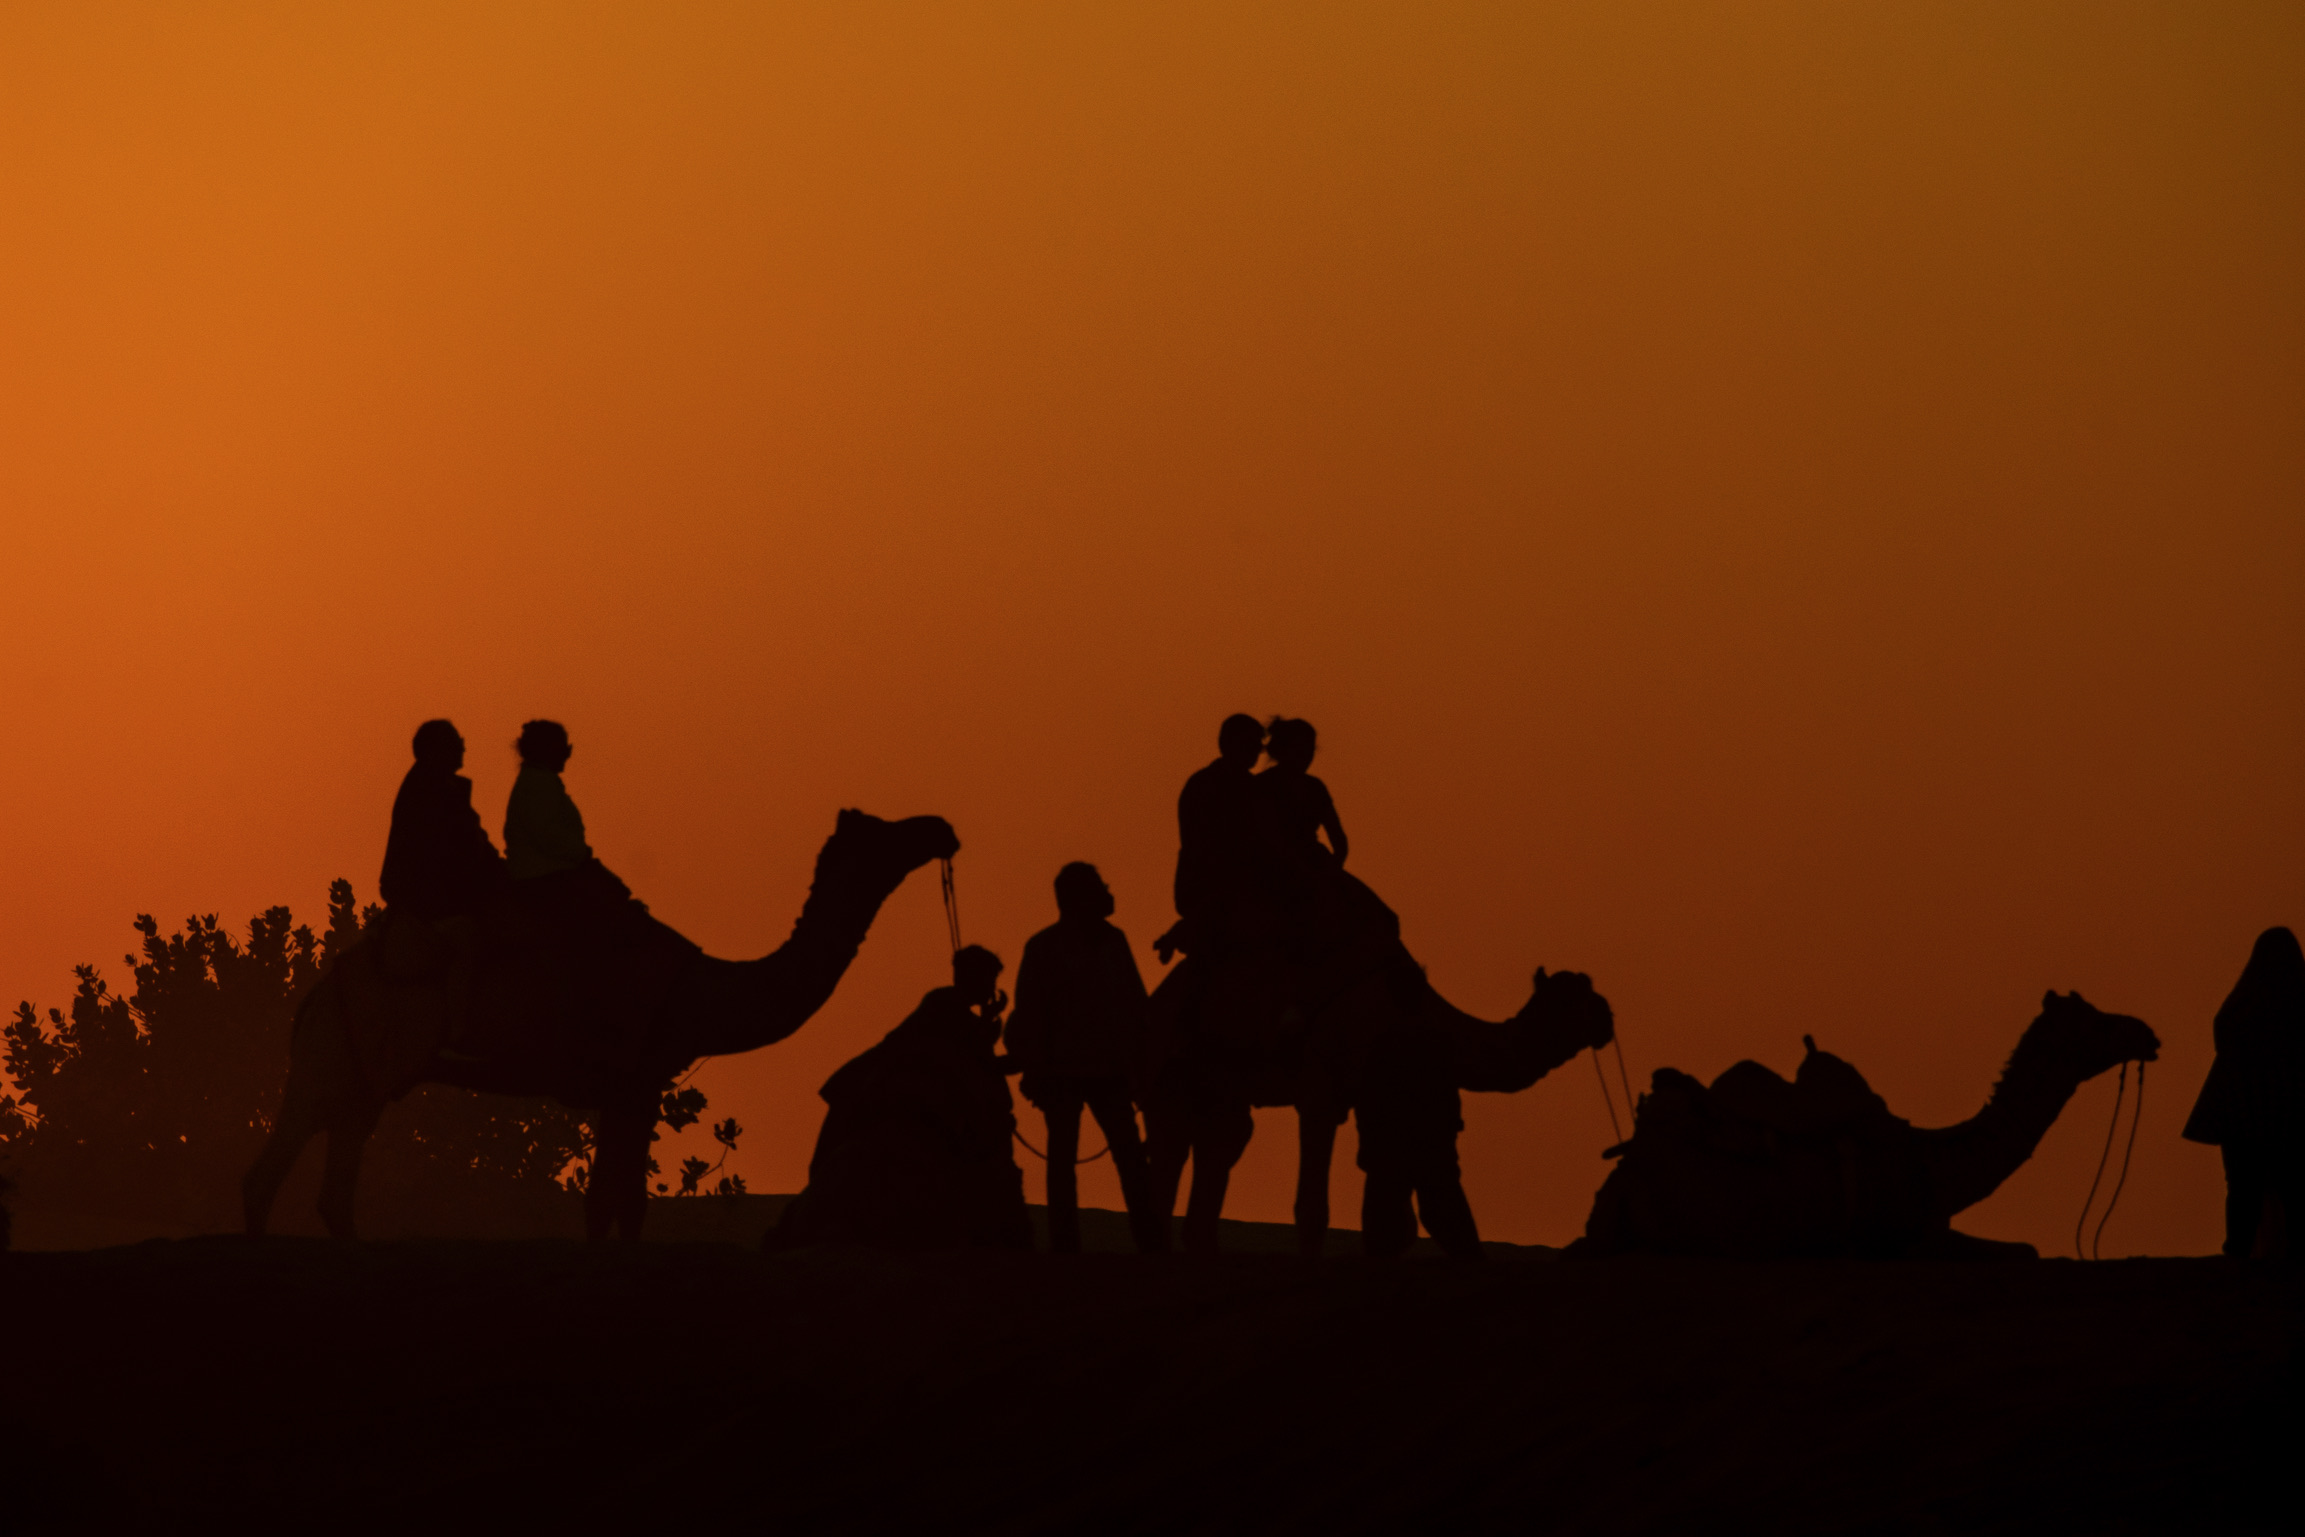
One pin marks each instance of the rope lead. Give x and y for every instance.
(1615, 1131)
(2120, 1090)
(2136, 1114)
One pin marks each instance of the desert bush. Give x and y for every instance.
(153, 1104)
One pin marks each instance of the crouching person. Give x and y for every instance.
(1077, 1032)
(914, 1151)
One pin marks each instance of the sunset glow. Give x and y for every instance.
(1793, 510)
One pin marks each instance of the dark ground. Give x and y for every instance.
(544, 1384)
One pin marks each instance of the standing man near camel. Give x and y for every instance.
(1077, 1032)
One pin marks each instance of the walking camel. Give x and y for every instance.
(1756, 1166)
(602, 1027)
(1256, 1027)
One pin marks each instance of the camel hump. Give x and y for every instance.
(1824, 1095)
(1835, 1091)
(1747, 1091)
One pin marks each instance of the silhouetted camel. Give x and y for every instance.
(606, 1031)
(1760, 1167)
(1237, 1040)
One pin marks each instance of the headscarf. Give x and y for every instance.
(2255, 1094)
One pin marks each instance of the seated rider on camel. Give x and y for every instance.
(552, 868)
(1216, 839)
(438, 860)
(1294, 808)
(440, 871)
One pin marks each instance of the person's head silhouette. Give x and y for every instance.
(2270, 997)
(544, 745)
(1291, 743)
(1081, 892)
(1239, 740)
(975, 974)
(439, 746)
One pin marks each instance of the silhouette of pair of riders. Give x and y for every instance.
(1249, 844)
(443, 878)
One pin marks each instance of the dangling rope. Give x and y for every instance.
(2120, 1090)
(2136, 1114)
(1617, 1042)
(1043, 1157)
(952, 927)
(1616, 1132)
(951, 906)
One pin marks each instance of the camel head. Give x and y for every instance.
(866, 858)
(913, 841)
(2074, 1038)
(1564, 1003)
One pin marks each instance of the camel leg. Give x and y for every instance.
(617, 1196)
(1388, 1215)
(349, 1126)
(1219, 1139)
(299, 1122)
(1168, 1147)
(1316, 1146)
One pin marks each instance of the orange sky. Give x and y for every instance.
(1792, 509)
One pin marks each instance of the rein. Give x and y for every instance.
(2136, 1114)
(1043, 1157)
(1624, 1079)
(952, 928)
(951, 905)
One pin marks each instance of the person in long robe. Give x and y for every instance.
(1078, 1034)
(2252, 1106)
(915, 1152)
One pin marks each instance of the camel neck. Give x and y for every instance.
(742, 1005)
(1971, 1159)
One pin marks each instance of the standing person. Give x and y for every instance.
(1078, 1032)
(1409, 1114)
(1216, 836)
(438, 862)
(2252, 1108)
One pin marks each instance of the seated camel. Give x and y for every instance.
(1756, 1166)
(603, 1022)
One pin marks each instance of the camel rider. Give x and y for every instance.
(552, 868)
(438, 862)
(1293, 808)
(1077, 1032)
(1216, 834)
(915, 1152)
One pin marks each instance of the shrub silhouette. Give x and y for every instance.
(150, 1106)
